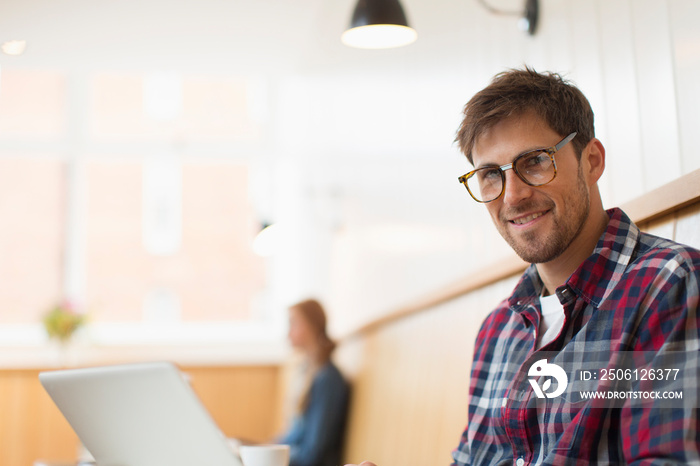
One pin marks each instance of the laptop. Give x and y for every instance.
(143, 414)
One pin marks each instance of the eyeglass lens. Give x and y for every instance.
(534, 168)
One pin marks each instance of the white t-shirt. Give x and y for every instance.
(552, 319)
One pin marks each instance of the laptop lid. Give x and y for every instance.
(143, 414)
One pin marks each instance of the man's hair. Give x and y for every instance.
(515, 92)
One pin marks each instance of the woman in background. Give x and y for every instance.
(318, 428)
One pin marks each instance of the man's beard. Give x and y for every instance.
(537, 249)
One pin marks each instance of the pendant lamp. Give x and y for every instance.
(378, 24)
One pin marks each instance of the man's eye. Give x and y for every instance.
(535, 160)
(490, 174)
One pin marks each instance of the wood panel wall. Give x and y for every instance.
(243, 400)
(410, 372)
(410, 379)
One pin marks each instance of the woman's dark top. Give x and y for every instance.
(316, 435)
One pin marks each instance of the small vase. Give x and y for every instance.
(62, 353)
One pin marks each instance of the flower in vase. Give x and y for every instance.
(62, 321)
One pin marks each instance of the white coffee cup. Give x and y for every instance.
(264, 455)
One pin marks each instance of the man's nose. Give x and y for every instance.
(516, 190)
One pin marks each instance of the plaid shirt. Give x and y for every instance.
(636, 294)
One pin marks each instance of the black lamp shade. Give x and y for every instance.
(370, 12)
(378, 24)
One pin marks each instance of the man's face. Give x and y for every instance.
(539, 223)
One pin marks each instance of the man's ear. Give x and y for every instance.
(593, 160)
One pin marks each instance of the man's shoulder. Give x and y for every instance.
(662, 253)
(524, 292)
(501, 311)
(497, 320)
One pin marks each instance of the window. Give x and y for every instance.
(136, 207)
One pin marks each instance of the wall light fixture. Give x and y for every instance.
(528, 16)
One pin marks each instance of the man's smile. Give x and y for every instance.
(527, 218)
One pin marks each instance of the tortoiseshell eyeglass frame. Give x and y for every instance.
(549, 151)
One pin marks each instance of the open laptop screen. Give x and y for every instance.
(143, 414)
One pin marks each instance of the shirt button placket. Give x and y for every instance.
(520, 462)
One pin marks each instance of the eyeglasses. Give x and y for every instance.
(535, 168)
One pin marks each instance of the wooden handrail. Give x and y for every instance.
(661, 201)
(666, 199)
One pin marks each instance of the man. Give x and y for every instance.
(599, 295)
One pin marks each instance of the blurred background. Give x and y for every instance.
(145, 144)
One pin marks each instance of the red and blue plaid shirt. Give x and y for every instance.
(636, 294)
